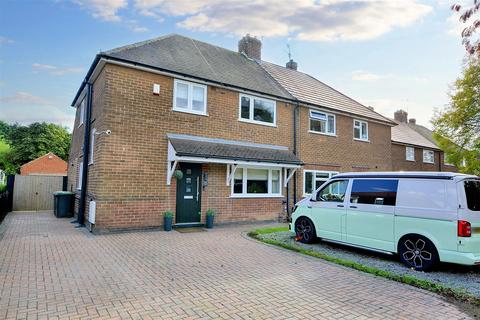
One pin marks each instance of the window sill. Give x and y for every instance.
(190, 112)
(258, 123)
(426, 162)
(361, 140)
(410, 160)
(253, 196)
(323, 134)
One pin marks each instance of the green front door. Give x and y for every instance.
(189, 194)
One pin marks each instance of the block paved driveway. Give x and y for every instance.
(48, 269)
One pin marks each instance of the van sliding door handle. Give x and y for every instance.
(353, 207)
(340, 205)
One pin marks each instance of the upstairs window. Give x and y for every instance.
(428, 156)
(189, 97)
(321, 122)
(376, 192)
(81, 113)
(360, 130)
(410, 153)
(257, 110)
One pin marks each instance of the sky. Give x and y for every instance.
(388, 54)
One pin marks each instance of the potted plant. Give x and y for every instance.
(210, 215)
(167, 220)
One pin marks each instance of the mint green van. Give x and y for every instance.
(424, 217)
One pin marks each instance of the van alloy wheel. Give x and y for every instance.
(418, 252)
(304, 230)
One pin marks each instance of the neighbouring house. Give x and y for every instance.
(176, 124)
(413, 147)
(48, 164)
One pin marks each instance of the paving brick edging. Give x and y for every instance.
(446, 292)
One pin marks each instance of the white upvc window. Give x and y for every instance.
(257, 110)
(189, 97)
(80, 176)
(92, 146)
(321, 122)
(81, 115)
(428, 156)
(410, 153)
(251, 182)
(313, 179)
(360, 130)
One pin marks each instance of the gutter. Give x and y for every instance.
(86, 151)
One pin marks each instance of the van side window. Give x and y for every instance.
(472, 191)
(377, 192)
(333, 192)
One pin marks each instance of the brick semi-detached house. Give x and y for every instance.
(176, 124)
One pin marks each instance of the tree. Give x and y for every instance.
(30, 142)
(457, 127)
(469, 16)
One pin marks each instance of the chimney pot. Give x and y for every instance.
(291, 65)
(400, 116)
(412, 121)
(251, 46)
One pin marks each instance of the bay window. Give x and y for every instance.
(254, 182)
(321, 122)
(257, 110)
(312, 179)
(189, 97)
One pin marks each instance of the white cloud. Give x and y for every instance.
(302, 19)
(361, 75)
(25, 108)
(21, 97)
(5, 40)
(104, 9)
(55, 70)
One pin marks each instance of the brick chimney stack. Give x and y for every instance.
(401, 116)
(291, 65)
(412, 121)
(251, 46)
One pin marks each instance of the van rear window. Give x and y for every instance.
(472, 191)
(378, 192)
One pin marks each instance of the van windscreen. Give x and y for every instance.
(472, 192)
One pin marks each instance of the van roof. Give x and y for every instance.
(410, 174)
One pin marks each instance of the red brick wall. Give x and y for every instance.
(400, 163)
(48, 164)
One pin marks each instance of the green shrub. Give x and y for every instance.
(210, 212)
(168, 214)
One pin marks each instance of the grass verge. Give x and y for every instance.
(456, 294)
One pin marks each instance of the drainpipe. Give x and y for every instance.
(86, 150)
(295, 115)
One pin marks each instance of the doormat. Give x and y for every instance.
(190, 230)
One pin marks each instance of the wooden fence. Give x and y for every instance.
(35, 192)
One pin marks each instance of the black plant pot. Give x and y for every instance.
(167, 223)
(209, 221)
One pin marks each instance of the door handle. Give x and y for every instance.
(198, 180)
(340, 205)
(353, 207)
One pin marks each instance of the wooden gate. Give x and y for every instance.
(34, 193)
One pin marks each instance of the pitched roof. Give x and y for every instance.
(312, 91)
(193, 146)
(404, 133)
(198, 59)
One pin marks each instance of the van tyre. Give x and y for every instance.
(417, 252)
(305, 230)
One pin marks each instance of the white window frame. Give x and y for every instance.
(80, 176)
(92, 146)
(360, 127)
(189, 108)
(250, 118)
(425, 151)
(407, 154)
(244, 193)
(81, 113)
(314, 178)
(327, 133)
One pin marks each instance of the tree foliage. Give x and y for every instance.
(469, 16)
(457, 127)
(26, 143)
